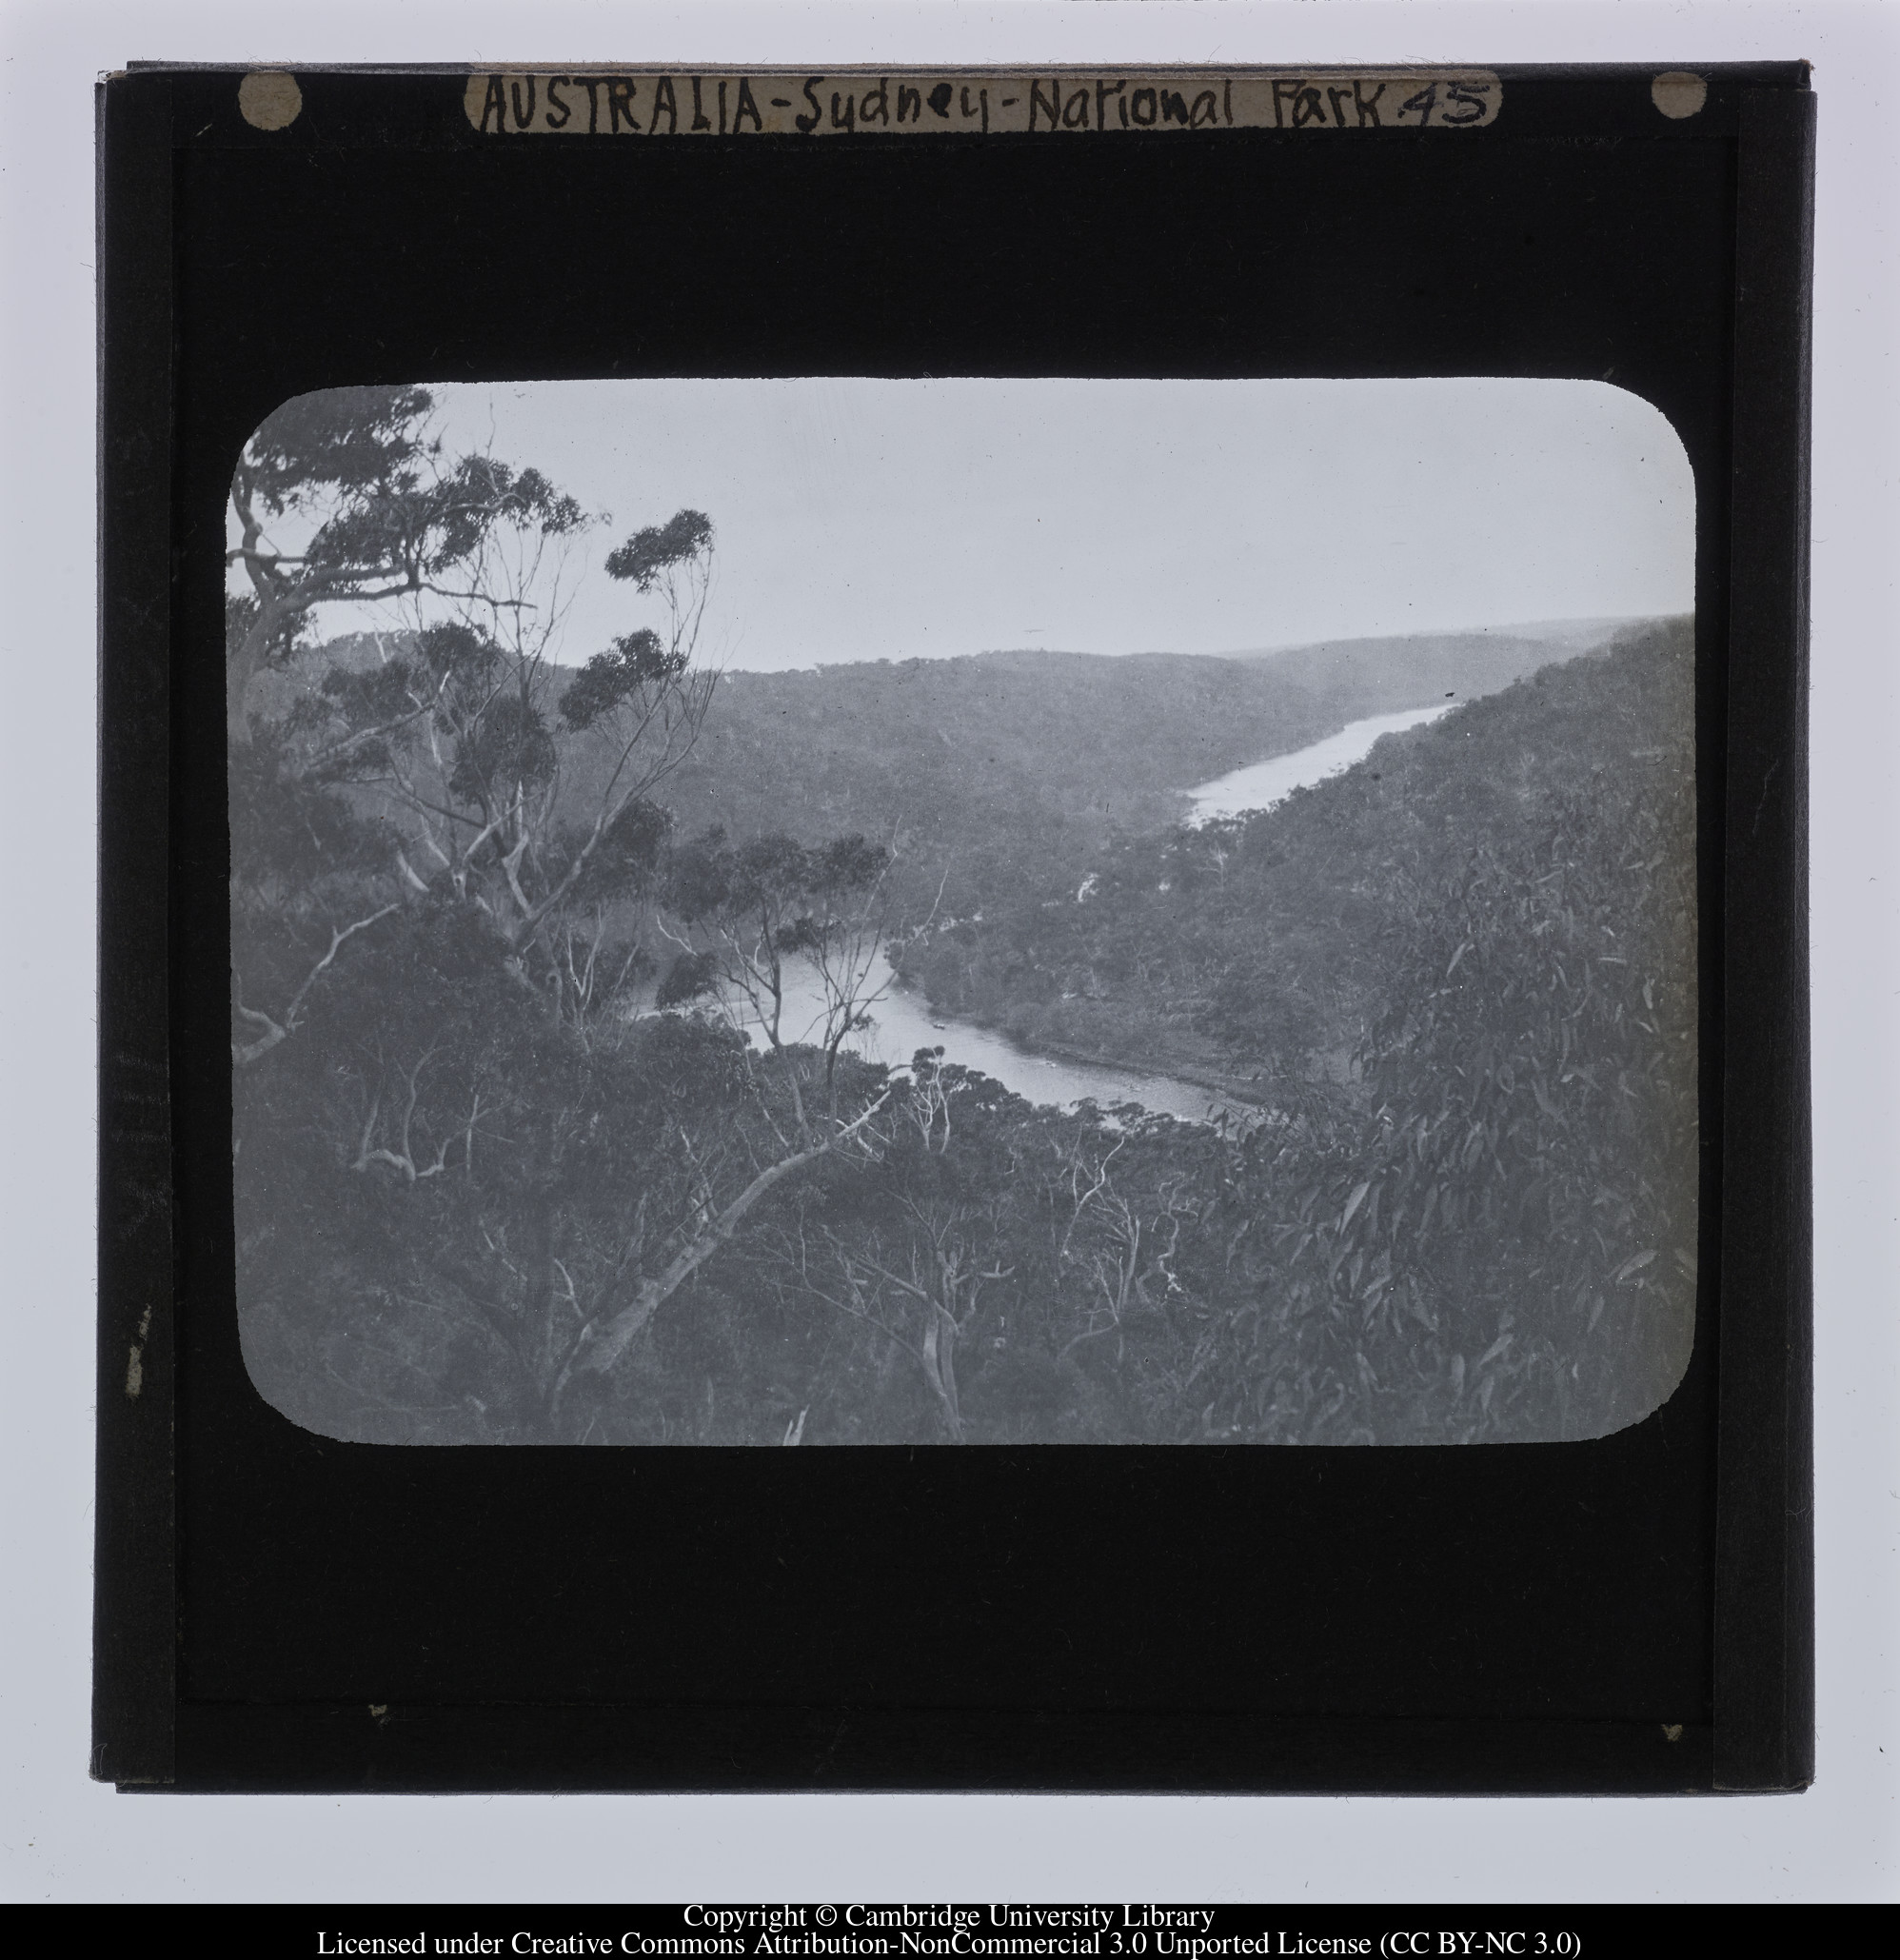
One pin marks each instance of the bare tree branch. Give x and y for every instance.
(280, 1031)
(598, 1348)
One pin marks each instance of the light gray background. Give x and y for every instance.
(63, 1838)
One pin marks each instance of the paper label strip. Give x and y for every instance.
(766, 102)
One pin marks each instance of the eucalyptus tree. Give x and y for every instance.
(750, 918)
(481, 776)
(347, 497)
(472, 1178)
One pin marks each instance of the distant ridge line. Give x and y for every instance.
(1576, 635)
(1557, 632)
(1578, 632)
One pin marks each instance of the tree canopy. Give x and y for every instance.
(530, 1147)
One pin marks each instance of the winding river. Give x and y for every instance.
(903, 1023)
(1260, 785)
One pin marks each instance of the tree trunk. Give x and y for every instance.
(599, 1347)
(246, 659)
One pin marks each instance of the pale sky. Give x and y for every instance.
(868, 519)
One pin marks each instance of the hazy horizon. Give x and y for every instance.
(858, 519)
(1582, 630)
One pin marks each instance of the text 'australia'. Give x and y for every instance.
(977, 104)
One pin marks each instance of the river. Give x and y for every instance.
(1260, 785)
(903, 1023)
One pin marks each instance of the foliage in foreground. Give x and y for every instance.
(487, 1192)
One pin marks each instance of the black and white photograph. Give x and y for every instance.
(963, 911)
(986, 789)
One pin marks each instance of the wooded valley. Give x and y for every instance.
(528, 1150)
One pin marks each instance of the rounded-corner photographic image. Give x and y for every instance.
(803, 912)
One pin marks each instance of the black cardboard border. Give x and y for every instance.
(1764, 1575)
(737, 1749)
(136, 1554)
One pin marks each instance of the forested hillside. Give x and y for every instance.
(1010, 771)
(997, 777)
(505, 1169)
(1259, 944)
(1399, 670)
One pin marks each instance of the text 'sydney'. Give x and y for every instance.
(599, 104)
